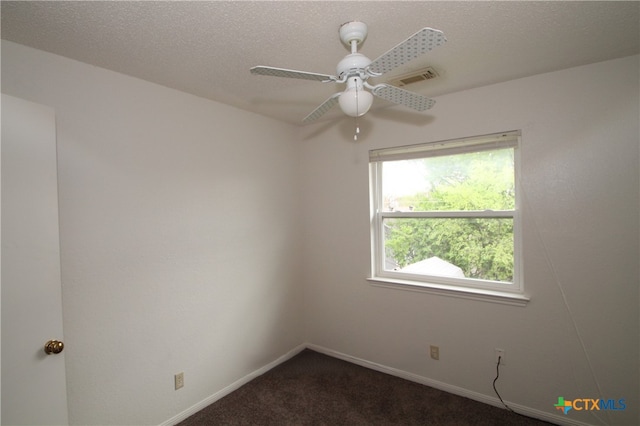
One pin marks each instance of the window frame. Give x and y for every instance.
(512, 293)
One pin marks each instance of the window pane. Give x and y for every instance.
(473, 181)
(480, 248)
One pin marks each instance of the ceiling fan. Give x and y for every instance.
(355, 69)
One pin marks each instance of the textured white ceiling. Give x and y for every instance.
(207, 47)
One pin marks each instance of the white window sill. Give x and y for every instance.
(493, 296)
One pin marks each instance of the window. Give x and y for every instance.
(445, 217)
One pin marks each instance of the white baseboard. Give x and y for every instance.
(232, 387)
(476, 396)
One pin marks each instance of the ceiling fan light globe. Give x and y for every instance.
(355, 103)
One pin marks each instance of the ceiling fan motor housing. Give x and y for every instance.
(353, 63)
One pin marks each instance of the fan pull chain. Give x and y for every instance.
(357, 130)
(354, 50)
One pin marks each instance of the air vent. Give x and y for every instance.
(415, 77)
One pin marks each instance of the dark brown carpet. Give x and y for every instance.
(315, 389)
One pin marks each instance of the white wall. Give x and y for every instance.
(579, 335)
(178, 224)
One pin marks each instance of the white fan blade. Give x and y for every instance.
(420, 43)
(281, 72)
(323, 108)
(403, 97)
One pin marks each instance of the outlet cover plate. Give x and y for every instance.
(435, 352)
(179, 380)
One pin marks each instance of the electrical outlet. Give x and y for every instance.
(435, 352)
(501, 356)
(179, 380)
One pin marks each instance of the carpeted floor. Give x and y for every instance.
(315, 389)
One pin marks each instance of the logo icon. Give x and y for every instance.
(563, 405)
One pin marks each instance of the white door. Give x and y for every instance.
(34, 388)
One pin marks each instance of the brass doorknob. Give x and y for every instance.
(53, 347)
